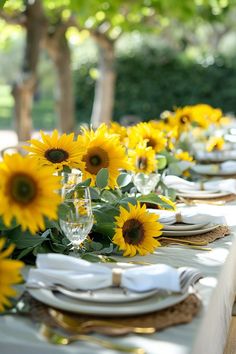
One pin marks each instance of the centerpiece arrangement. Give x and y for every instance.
(92, 192)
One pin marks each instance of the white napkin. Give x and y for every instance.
(224, 185)
(187, 216)
(74, 273)
(228, 166)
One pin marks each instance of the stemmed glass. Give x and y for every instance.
(76, 220)
(69, 180)
(146, 183)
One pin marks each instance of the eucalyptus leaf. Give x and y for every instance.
(153, 198)
(85, 183)
(109, 196)
(102, 178)
(24, 239)
(13, 225)
(94, 193)
(124, 202)
(105, 228)
(124, 179)
(162, 162)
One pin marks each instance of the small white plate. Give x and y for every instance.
(183, 227)
(107, 295)
(197, 191)
(212, 170)
(189, 232)
(198, 195)
(153, 303)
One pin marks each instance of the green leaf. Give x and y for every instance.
(2, 2)
(162, 162)
(24, 239)
(94, 193)
(124, 202)
(4, 227)
(24, 252)
(85, 183)
(102, 178)
(109, 197)
(124, 179)
(104, 228)
(153, 198)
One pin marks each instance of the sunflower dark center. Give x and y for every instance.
(151, 143)
(95, 159)
(133, 231)
(142, 163)
(56, 155)
(22, 189)
(185, 119)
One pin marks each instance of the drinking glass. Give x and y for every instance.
(76, 220)
(146, 183)
(69, 180)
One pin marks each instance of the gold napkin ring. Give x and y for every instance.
(202, 187)
(178, 217)
(116, 276)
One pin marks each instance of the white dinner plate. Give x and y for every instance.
(111, 295)
(183, 227)
(155, 302)
(200, 195)
(189, 232)
(212, 170)
(197, 191)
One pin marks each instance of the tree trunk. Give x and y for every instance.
(23, 89)
(59, 51)
(105, 86)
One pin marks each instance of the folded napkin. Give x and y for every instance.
(187, 216)
(224, 185)
(228, 166)
(77, 274)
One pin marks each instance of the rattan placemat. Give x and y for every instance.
(180, 313)
(204, 239)
(226, 198)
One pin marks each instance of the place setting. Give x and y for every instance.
(215, 191)
(190, 227)
(111, 298)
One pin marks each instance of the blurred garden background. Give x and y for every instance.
(65, 63)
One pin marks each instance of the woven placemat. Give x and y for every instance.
(204, 239)
(226, 199)
(180, 313)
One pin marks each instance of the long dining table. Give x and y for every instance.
(205, 334)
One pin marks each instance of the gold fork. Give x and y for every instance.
(69, 323)
(55, 338)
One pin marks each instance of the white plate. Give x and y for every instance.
(183, 227)
(150, 304)
(111, 295)
(189, 232)
(198, 195)
(197, 191)
(212, 170)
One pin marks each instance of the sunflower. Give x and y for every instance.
(27, 192)
(184, 156)
(9, 274)
(143, 159)
(57, 151)
(145, 131)
(215, 143)
(136, 230)
(121, 131)
(103, 150)
(183, 117)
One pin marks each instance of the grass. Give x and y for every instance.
(43, 114)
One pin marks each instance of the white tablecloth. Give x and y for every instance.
(206, 334)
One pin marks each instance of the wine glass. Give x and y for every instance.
(76, 220)
(69, 180)
(146, 183)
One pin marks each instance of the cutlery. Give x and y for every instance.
(69, 323)
(189, 246)
(175, 239)
(200, 201)
(54, 337)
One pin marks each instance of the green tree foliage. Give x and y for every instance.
(160, 82)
